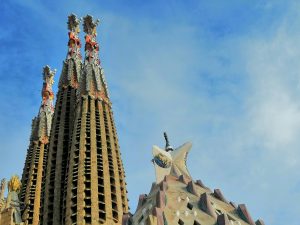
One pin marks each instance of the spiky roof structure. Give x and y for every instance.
(175, 198)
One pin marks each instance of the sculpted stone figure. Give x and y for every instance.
(93, 75)
(74, 43)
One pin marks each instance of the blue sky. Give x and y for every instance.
(222, 74)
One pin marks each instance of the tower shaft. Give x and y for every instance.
(85, 180)
(96, 188)
(96, 191)
(60, 139)
(34, 169)
(58, 156)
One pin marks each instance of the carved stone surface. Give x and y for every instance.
(191, 187)
(180, 203)
(71, 71)
(85, 176)
(205, 205)
(223, 220)
(244, 214)
(34, 168)
(218, 194)
(92, 81)
(171, 162)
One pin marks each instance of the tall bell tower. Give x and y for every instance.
(60, 139)
(85, 180)
(36, 159)
(96, 188)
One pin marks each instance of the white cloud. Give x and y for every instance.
(245, 130)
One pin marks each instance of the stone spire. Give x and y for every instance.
(72, 65)
(44, 118)
(33, 172)
(92, 82)
(62, 126)
(96, 189)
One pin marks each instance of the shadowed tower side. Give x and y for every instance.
(96, 188)
(53, 207)
(33, 172)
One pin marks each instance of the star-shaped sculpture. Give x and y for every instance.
(170, 162)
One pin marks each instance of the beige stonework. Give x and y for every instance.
(54, 203)
(85, 181)
(34, 168)
(177, 199)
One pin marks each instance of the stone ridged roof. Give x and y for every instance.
(178, 199)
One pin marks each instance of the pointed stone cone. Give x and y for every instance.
(259, 222)
(163, 186)
(169, 178)
(191, 187)
(223, 220)
(142, 200)
(244, 214)
(160, 199)
(218, 194)
(159, 215)
(200, 183)
(183, 179)
(206, 206)
(233, 204)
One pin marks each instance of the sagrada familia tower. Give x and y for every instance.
(73, 172)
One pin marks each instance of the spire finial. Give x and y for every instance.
(48, 75)
(168, 146)
(89, 25)
(73, 23)
(47, 109)
(47, 93)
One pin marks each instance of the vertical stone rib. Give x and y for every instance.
(94, 174)
(51, 164)
(30, 187)
(116, 177)
(106, 177)
(58, 167)
(43, 181)
(81, 164)
(101, 194)
(37, 198)
(120, 165)
(110, 166)
(72, 177)
(26, 171)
